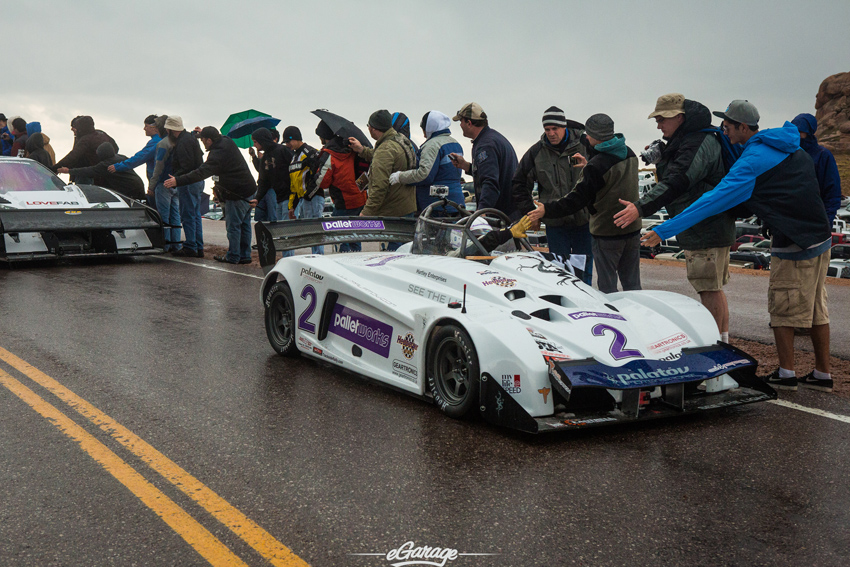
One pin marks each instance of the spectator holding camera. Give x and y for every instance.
(610, 175)
(689, 165)
(549, 163)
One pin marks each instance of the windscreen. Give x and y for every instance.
(27, 176)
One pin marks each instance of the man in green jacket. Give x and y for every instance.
(689, 165)
(392, 152)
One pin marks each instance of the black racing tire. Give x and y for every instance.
(453, 371)
(280, 319)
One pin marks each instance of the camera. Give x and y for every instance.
(573, 160)
(652, 153)
(439, 191)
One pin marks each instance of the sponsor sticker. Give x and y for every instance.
(73, 212)
(51, 203)
(408, 345)
(596, 315)
(545, 393)
(361, 330)
(511, 383)
(430, 276)
(311, 274)
(580, 422)
(353, 225)
(405, 370)
(499, 280)
(305, 343)
(669, 343)
(430, 294)
(385, 260)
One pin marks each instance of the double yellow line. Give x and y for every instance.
(196, 535)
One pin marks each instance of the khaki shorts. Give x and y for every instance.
(708, 269)
(797, 296)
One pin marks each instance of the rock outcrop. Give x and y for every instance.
(833, 112)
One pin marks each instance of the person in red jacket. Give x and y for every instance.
(336, 171)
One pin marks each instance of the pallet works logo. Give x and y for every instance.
(409, 554)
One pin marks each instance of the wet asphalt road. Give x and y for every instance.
(329, 465)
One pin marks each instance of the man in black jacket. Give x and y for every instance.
(128, 183)
(185, 157)
(690, 165)
(273, 168)
(235, 188)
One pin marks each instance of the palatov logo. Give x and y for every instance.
(311, 274)
(409, 554)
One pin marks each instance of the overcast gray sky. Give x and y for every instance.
(120, 61)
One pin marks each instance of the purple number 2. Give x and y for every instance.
(303, 320)
(618, 347)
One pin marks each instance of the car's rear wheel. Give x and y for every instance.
(280, 319)
(453, 371)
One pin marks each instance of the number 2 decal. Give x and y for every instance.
(303, 320)
(618, 347)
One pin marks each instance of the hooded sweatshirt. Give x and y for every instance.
(273, 166)
(435, 167)
(86, 142)
(610, 175)
(826, 169)
(336, 172)
(34, 128)
(36, 151)
(128, 183)
(776, 180)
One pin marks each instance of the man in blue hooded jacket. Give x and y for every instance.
(147, 155)
(774, 179)
(826, 169)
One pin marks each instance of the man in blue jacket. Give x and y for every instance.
(493, 160)
(826, 169)
(774, 179)
(146, 155)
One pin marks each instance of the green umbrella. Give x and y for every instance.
(245, 141)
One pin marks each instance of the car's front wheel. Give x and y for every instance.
(453, 371)
(280, 319)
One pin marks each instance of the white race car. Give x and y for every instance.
(41, 217)
(515, 337)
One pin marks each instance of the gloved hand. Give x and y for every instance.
(394, 177)
(519, 229)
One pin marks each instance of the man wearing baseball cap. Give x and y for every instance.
(493, 160)
(689, 165)
(774, 179)
(550, 163)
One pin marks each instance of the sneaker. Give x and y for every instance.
(200, 253)
(809, 381)
(223, 259)
(774, 380)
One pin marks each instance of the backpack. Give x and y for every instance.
(730, 152)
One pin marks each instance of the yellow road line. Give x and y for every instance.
(186, 527)
(263, 542)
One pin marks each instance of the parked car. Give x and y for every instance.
(760, 246)
(655, 219)
(838, 269)
(674, 256)
(840, 238)
(746, 239)
(840, 252)
(742, 228)
(759, 260)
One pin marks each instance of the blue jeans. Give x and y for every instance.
(168, 205)
(190, 215)
(266, 210)
(311, 209)
(283, 210)
(567, 240)
(348, 246)
(237, 222)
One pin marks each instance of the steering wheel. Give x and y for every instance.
(504, 222)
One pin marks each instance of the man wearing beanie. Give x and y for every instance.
(690, 165)
(273, 180)
(548, 163)
(493, 160)
(826, 169)
(774, 179)
(304, 204)
(392, 152)
(610, 175)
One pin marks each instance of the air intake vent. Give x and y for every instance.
(515, 294)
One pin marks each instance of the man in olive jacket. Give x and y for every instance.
(392, 152)
(548, 162)
(691, 164)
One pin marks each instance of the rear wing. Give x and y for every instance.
(280, 236)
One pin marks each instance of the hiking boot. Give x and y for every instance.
(200, 253)
(774, 380)
(809, 381)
